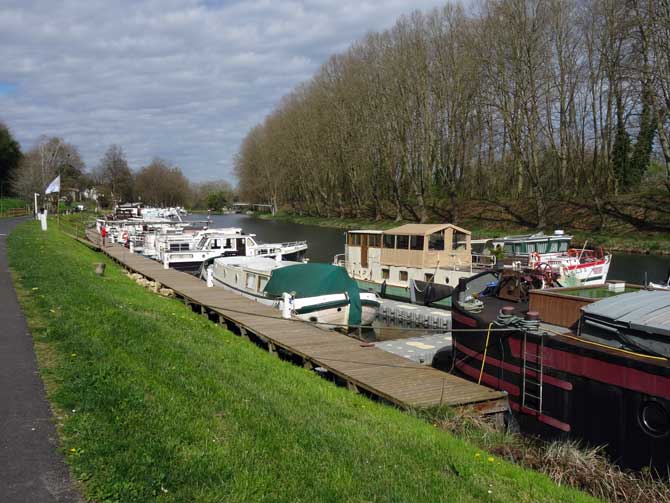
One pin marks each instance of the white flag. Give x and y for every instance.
(53, 186)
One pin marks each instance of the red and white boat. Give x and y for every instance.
(552, 253)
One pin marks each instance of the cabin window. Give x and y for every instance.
(215, 244)
(403, 275)
(385, 274)
(402, 242)
(508, 249)
(202, 242)
(436, 241)
(416, 243)
(460, 241)
(520, 249)
(429, 277)
(531, 247)
(553, 247)
(374, 240)
(262, 281)
(229, 243)
(354, 239)
(389, 241)
(541, 246)
(251, 281)
(564, 246)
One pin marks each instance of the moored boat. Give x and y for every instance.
(319, 293)
(589, 363)
(416, 263)
(543, 252)
(188, 252)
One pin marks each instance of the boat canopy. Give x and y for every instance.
(313, 280)
(644, 311)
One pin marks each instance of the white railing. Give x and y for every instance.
(483, 261)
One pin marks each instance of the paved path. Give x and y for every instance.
(31, 468)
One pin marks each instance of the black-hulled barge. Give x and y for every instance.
(594, 369)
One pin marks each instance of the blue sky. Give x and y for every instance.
(183, 80)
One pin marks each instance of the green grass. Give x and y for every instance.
(9, 203)
(155, 403)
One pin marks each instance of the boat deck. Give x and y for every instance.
(362, 367)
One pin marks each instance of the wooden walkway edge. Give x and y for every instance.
(368, 369)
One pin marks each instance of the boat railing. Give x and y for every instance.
(480, 261)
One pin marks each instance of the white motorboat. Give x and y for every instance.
(319, 293)
(188, 251)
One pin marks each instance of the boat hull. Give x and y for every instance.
(601, 397)
(330, 310)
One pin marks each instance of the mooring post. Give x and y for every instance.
(166, 264)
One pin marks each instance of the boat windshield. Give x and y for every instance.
(201, 243)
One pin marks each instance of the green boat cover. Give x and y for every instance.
(312, 280)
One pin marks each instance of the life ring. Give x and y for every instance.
(124, 236)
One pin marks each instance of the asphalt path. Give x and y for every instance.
(31, 467)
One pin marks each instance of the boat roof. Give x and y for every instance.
(645, 310)
(540, 236)
(257, 264)
(222, 230)
(365, 231)
(423, 229)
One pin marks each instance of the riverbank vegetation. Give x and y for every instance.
(529, 113)
(615, 239)
(154, 402)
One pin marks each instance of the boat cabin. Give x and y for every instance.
(521, 247)
(421, 252)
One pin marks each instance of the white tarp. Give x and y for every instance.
(54, 186)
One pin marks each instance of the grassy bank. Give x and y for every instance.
(657, 243)
(8, 203)
(156, 403)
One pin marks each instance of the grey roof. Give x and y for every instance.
(647, 311)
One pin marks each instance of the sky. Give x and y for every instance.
(181, 80)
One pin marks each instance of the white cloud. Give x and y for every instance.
(183, 80)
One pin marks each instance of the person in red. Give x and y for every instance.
(103, 234)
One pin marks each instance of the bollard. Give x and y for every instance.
(210, 277)
(131, 247)
(100, 269)
(166, 264)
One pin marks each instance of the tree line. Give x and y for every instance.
(519, 104)
(111, 181)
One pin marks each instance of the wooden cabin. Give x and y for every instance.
(423, 252)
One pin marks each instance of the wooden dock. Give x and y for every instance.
(362, 368)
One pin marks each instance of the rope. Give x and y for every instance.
(486, 347)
